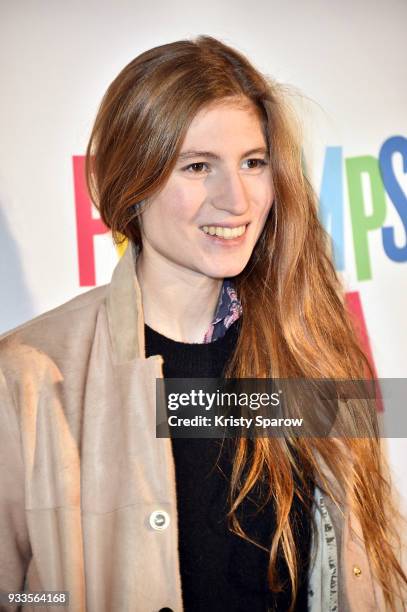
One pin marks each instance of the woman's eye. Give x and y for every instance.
(196, 167)
(257, 163)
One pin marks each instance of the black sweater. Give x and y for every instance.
(220, 572)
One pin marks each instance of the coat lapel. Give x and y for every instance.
(127, 473)
(124, 309)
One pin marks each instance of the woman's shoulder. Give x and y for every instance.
(43, 334)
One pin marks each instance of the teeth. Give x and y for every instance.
(224, 232)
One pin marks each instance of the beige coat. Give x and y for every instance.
(81, 471)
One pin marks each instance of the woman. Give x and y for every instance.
(191, 139)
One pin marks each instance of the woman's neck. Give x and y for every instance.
(177, 302)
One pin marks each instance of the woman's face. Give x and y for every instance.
(222, 179)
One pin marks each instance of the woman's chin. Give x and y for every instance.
(223, 271)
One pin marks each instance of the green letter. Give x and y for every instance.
(363, 223)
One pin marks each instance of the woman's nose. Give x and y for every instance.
(232, 194)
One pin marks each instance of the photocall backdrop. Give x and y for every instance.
(347, 63)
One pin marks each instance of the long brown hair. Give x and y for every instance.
(299, 326)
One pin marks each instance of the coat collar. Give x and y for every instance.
(124, 309)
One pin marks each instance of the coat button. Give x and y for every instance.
(159, 519)
(357, 571)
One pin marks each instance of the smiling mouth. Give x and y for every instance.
(227, 233)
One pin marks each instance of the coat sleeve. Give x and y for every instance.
(14, 541)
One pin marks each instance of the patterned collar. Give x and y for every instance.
(228, 310)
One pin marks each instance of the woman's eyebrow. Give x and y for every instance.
(188, 154)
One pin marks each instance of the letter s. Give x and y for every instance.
(395, 144)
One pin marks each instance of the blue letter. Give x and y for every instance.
(396, 194)
(331, 203)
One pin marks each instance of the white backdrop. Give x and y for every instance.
(348, 60)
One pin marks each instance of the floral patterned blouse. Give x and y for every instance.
(228, 310)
